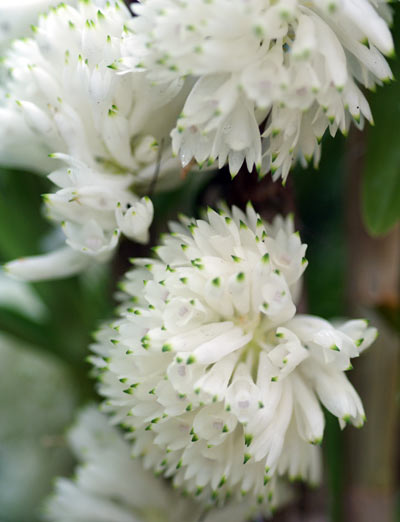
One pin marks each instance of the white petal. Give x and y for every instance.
(58, 264)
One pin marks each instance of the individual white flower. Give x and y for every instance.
(93, 209)
(272, 76)
(216, 378)
(107, 131)
(110, 486)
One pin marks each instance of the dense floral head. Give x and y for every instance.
(109, 486)
(211, 370)
(63, 98)
(272, 76)
(62, 84)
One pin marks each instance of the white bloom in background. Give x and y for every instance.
(33, 422)
(19, 296)
(271, 76)
(16, 17)
(217, 380)
(110, 486)
(107, 132)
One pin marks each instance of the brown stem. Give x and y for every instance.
(373, 284)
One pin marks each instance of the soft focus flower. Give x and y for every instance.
(16, 17)
(217, 380)
(272, 76)
(38, 397)
(110, 486)
(62, 97)
(20, 297)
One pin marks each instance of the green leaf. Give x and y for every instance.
(75, 306)
(381, 181)
(22, 225)
(321, 223)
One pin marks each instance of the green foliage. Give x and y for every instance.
(74, 306)
(381, 182)
(334, 467)
(42, 355)
(320, 200)
(21, 224)
(320, 214)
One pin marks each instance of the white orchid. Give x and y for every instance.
(271, 76)
(110, 486)
(63, 99)
(218, 380)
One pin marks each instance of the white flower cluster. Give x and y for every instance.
(63, 97)
(110, 486)
(271, 76)
(217, 380)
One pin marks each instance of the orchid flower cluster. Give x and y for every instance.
(210, 376)
(100, 126)
(209, 361)
(270, 76)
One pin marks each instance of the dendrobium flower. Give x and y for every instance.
(64, 99)
(217, 380)
(112, 487)
(271, 76)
